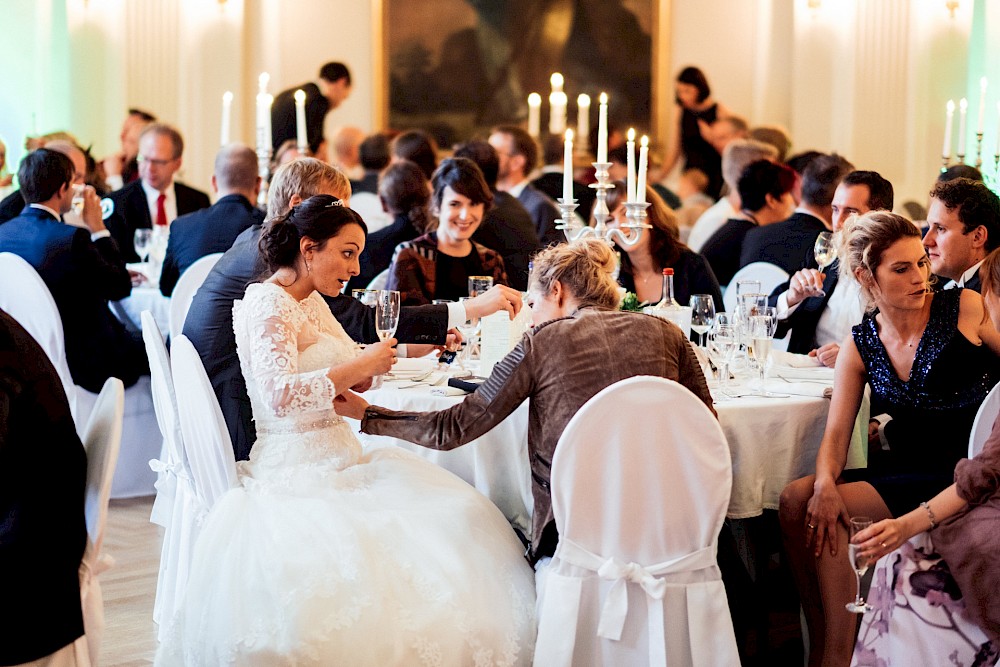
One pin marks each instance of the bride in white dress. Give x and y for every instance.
(324, 555)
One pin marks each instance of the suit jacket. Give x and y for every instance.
(974, 283)
(553, 367)
(43, 471)
(723, 248)
(543, 213)
(283, 116)
(379, 249)
(131, 212)
(508, 229)
(82, 275)
(551, 184)
(785, 243)
(204, 232)
(11, 206)
(804, 319)
(367, 184)
(209, 326)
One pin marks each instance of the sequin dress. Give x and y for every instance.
(932, 412)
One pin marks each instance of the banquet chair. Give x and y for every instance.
(770, 276)
(983, 424)
(176, 502)
(638, 497)
(206, 444)
(379, 281)
(184, 291)
(101, 439)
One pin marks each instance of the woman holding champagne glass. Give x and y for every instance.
(930, 359)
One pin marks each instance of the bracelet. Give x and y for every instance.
(930, 514)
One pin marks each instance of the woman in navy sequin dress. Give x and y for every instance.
(930, 359)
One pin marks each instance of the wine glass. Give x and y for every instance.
(761, 333)
(825, 252)
(386, 319)
(859, 564)
(702, 315)
(368, 297)
(77, 204)
(470, 331)
(721, 346)
(143, 241)
(747, 286)
(479, 284)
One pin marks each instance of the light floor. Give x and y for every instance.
(129, 587)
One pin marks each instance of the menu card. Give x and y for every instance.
(499, 335)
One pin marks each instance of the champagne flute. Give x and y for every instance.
(470, 332)
(825, 252)
(702, 316)
(386, 320)
(143, 241)
(761, 331)
(859, 564)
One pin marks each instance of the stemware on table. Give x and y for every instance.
(760, 336)
(387, 308)
(702, 315)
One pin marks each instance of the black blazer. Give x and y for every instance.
(11, 206)
(204, 232)
(209, 326)
(367, 184)
(785, 243)
(381, 244)
(283, 116)
(544, 214)
(804, 320)
(551, 184)
(43, 471)
(82, 275)
(508, 229)
(131, 212)
(723, 248)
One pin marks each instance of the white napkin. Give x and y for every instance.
(782, 358)
(801, 389)
(407, 366)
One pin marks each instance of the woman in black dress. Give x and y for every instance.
(929, 358)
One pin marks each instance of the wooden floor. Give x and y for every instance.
(129, 587)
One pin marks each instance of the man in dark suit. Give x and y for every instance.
(374, 155)
(818, 308)
(963, 227)
(325, 95)
(214, 229)
(156, 199)
(787, 243)
(518, 154)
(507, 226)
(209, 324)
(81, 267)
(550, 181)
(14, 203)
(43, 472)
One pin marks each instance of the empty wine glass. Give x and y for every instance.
(470, 332)
(721, 346)
(143, 241)
(825, 252)
(386, 320)
(702, 315)
(859, 564)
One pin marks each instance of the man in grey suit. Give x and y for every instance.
(518, 155)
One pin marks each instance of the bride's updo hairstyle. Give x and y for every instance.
(319, 218)
(864, 240)
(585, 269)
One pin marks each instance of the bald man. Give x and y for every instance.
(192, 236)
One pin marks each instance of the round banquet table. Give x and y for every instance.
(143, 298)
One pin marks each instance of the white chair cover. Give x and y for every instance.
(379, 281)
(641, 479)
(26, 298)
(101, 439)
(369, 207)
(207, 447)
(184, 291)
(983, 424)
(769, 275)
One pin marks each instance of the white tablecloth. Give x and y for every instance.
(146, 298)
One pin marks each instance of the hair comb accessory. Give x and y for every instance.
(336, 202)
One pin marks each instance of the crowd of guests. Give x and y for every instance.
(898, 311)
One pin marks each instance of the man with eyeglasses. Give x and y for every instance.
(156, 199)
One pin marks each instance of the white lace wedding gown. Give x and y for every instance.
(327, 556)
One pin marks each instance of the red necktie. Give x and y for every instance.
(161, 210)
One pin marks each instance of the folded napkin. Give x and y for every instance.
(406, 366)
(782, 358)
(801, 389)
(821, 374)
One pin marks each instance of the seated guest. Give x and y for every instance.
(550, 179)
(786, 243)
(121, 168)
(12, 206)
(775, 135)
(81, 267)
(818, 308)
(659, 248)
(155, 199)
(766, 196)
(798, 163)
(964, 226)
(43, 472)
(507, 226)
(374, 156)
(735, 159)
(344, 147)
(209, 323)
(287, 151)
(403, 192)
(518, 154)
(691, 190)
(965, 517)
(929, 358)
(574, 301)
(214, 229)
(418, 147)
(438, 264)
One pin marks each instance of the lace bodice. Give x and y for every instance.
(286, 348)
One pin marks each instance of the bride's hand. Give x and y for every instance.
(379, 357)
(350, 405)
(363, 386)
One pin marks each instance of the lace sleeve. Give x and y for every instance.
(271, 322)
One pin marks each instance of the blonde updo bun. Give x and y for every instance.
(585, 268)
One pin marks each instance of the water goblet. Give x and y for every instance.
(702, 315)
(859, 564)
(721, 347)
(143, 241)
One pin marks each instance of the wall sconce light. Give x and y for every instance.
(952, 7)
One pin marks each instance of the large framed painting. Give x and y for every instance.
(459, 67)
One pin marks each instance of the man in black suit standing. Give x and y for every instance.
(818, 308)
(214, 229)
(518, 154)
(209, 324)
(963, 227)
(81, 267)
(43, 472)
(156, 199)
(323, 96)
(787, 243)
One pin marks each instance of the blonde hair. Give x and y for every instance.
(864, 240)
(989, 272)
(585, 269)
(304, 177)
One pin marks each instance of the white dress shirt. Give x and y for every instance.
(169, 204)
(843, 310)
(951, 284)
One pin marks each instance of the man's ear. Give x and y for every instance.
(294, 201)
(979, 236)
